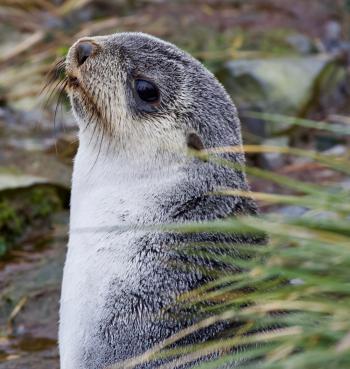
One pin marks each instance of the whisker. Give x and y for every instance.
(54, 74)
(55, 89)
(93, 133)
(91, 115)
(61, 112)
(99, 150)
(55, 85)
(109, 123)
(61, 92)
(109, 144)
(101, 143)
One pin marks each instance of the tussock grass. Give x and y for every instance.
(292, 298)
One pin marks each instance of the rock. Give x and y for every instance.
(32, 144)
(332, 35)
(338, 150)
(297, 282)
(36, 121)
(64, 148)
(285, 86)
(12, 181)
(323, 215)
(292, 211)
(29, 143)
(301, 43)
(274, 160)
(29, 302)
(345, 185)
(30, 163)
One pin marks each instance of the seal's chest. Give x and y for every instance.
(117, 205)
(109, 209)
(95, 261)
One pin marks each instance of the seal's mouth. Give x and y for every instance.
(61, 80)
(86, 102)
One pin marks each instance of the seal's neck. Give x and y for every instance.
(112, 185)
(134, 144)
(109, 161)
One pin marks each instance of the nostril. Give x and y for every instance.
(84, 50)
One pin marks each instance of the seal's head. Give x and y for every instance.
(142, 92)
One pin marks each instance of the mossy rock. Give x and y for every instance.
(26, 205)
(287, 86)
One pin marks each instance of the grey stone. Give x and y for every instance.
(301, 43)
(292, 211)
(297, 282)
(345, 185)
(332, 35)
(281, 86)
(274, 160)
(337, 150)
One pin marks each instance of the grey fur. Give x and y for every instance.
(139, 315)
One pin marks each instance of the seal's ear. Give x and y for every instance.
(194, 142)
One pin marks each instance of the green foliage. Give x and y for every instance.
(10, 225)
(21, 210)
(304, 272)
(272, 42)
(43, 202)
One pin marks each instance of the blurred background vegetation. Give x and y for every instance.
(286, 65)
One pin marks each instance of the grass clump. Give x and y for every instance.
(292, 298)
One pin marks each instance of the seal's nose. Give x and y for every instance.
(84, 49)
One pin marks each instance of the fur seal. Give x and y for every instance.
(140, 104)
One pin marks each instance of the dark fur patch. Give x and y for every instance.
(194, 142)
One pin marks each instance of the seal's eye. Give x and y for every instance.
(147, 91)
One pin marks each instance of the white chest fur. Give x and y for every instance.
(104, 196)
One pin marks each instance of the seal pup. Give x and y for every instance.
(140, 104)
